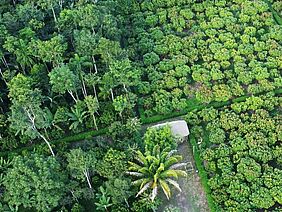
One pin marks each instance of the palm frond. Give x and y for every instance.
(165, 188)
(178, 157)
(154, 164)
(178, 165)
(170, 153)
(145, 180)
(169, 173)
(136, 174)
(158, 172)
(144, 170)
(150, 158)
(138, 182)
(154, 193)
(180, 173)
(133, 166)
(156, 151)
(141, 158)
(144, 188)
(174, 183)
(160, 169)
(170, 161)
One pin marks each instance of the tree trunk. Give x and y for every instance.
(23, 68)
(83, 88)
(95, 92)
(76, 95)
(94, 120)
(94, 63)
(47, 142)
(54, 14)
(124, 87)
(32, 120)
(46, 67)
(3, 76)
(70, 92)
(4, 61)
(112, 94)
(74, 196)
(126, 202)
(86, 174)
(61, 4)
(46, 133)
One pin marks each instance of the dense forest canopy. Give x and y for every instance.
(75, 68)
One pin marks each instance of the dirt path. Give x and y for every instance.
(192, 198)
(192, 190)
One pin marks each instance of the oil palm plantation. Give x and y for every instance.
(157, 169)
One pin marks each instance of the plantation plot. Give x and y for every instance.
(211, 51)
(240, 147)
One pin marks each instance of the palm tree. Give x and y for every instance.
(103, 200)
(77, 117)
(157, 169)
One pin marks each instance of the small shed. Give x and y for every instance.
(178, 128)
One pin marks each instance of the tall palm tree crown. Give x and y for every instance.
(156, 169)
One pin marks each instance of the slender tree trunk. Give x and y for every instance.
(46, 133)
(76, 95)
(59, 128)
(31, 117)
(93, 30)
(46, 66)
(74, 195)
(94, 63)
(94, 120)
(4, 61)
(61, 4)
(22, 68)
(86, 174)
(70, 92)
(3, 76)
(126, 202)
(83, 88)
(112, 94)
(95, 93)
(124, 87)
(54, 14)
(47, 142)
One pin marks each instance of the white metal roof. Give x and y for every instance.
(178, 128)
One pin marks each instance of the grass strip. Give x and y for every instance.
(197, 106)
(203, 174)
(148, 120)
(275, 14)
(68, 139)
